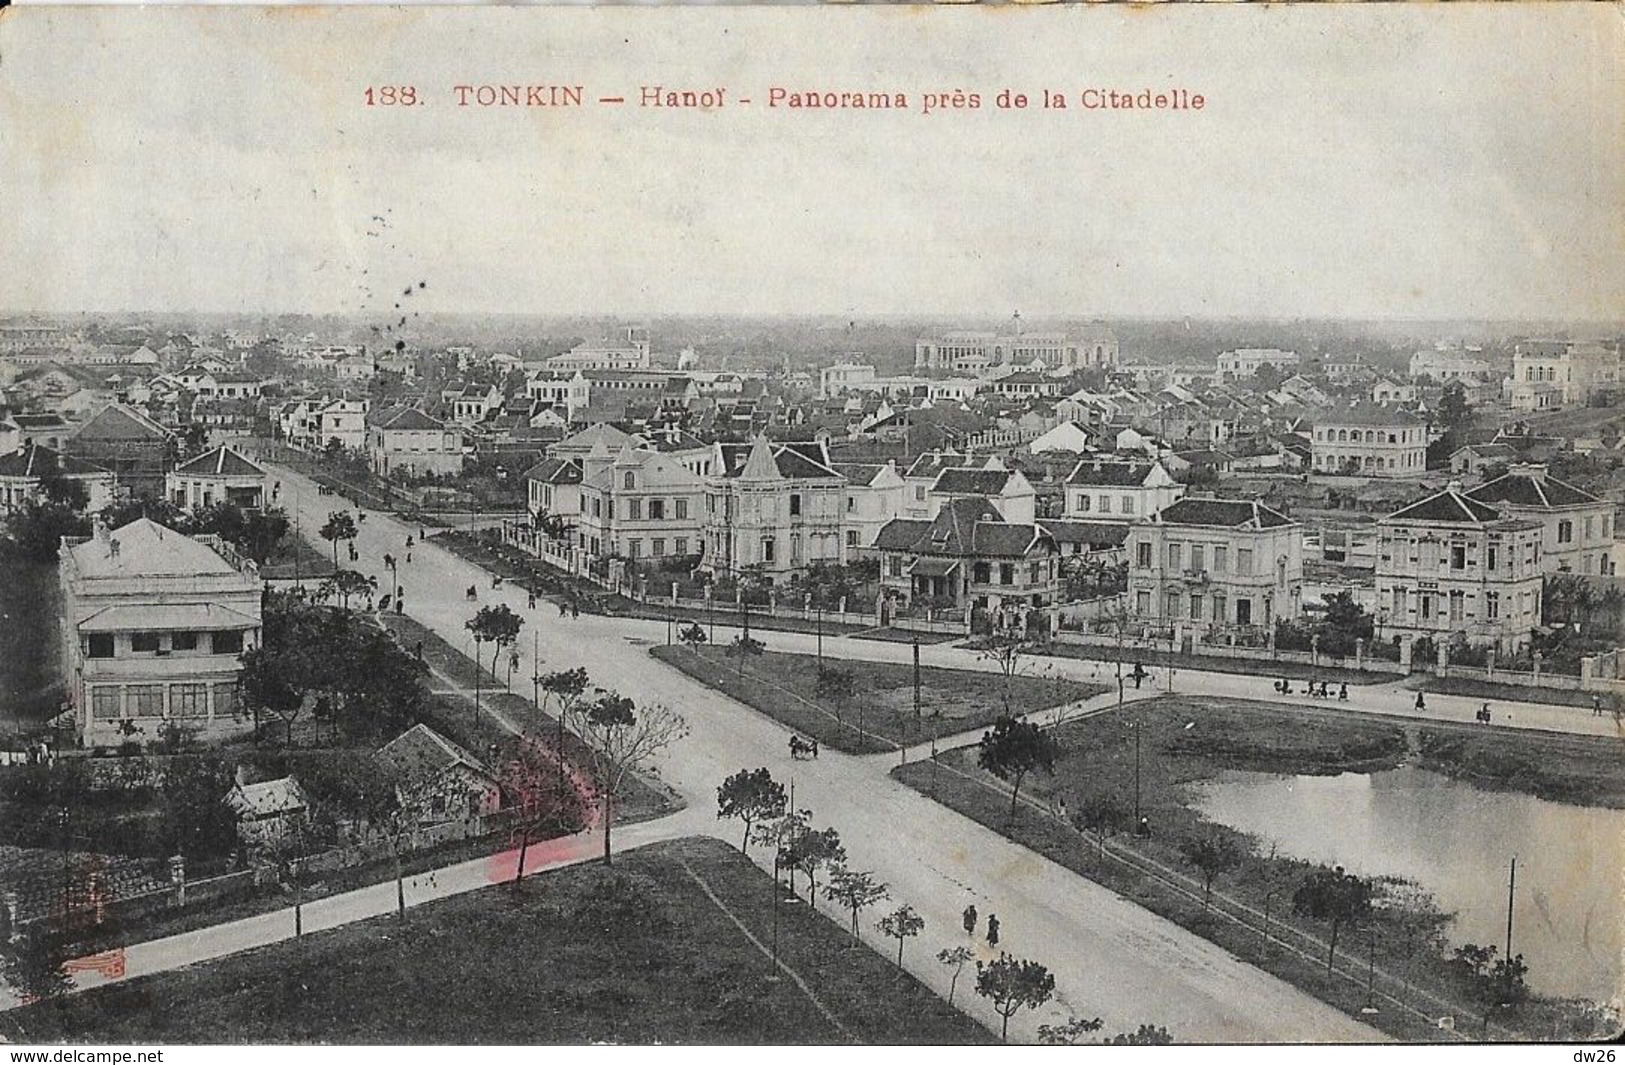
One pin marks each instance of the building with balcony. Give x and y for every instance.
(1216, 562)
(1370, 442)
(773, 508)
(154, 624)
(1549, 374)
(969, 557)
(975, 353)
(1578, 527)
(1450, 564)
(640, 505)
(218, 476)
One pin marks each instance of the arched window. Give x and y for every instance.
(630, 481)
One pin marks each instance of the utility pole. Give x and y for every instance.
(1137, 818)
(916, 681)
(1512, 882)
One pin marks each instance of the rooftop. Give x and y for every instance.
(144, 548)
(221, 462)
(1227, 513)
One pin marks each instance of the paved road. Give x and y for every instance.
(1111, 958)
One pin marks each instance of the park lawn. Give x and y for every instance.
(1098, 758)
(1261, 665)
(783, 686)
(638, 955)
(1582, 770)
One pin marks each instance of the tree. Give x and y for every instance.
(339, 526)
(1211, 855)
(809, 851)
(33, 965)
(692, 637)
(1102, 814)
(901, 924)
(1068, 1034)
(620, 737)
(751, 796)
(744, 645)
(1343, 624)
(1413, 913)
(956, 957)
(1012, 749)
(1336, 897)
(344, 583)
(855, 892)
(194, 819)
(1147, 1035)
(1012, 983)
(38, 528)
(498, 626)
(526, 776)
(1005, 650)
(65, 491)
(1455, 414)
(836, 686)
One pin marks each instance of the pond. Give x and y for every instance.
(1457, 841)
(29, 683)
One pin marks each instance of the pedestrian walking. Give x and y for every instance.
(992, 930)
(564, 608)
(1421, 703)
(1596, 706)
(408, 556)
(970, 919)
(575, 609)
(530, 600)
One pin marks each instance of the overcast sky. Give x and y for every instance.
(1382, 161)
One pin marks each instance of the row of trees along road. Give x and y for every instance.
(1013, 749)
(1009, 984)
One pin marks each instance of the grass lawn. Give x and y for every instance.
(297, 557)
(1188, 739)
(1263, 664)
(1584, 770)
(642, 954)
(1493, 690)
(782, 686)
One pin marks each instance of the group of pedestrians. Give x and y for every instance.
(992, 925)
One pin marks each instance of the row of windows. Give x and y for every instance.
(1082, 503)
(1452, 606)
(1210, 558)
(103, 645)
(1565, 529)
(110, 702)
(1411, 460)
(1367, 436)
(1433, 554)
(657, 547)
(1199, 607)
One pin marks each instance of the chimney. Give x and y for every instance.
(1535, 471)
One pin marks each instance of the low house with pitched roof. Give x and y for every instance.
(1579, 527)
(218, 476)
(404, 441)
(123, 439)
(436, 780)
(267, 810)
(24, 473)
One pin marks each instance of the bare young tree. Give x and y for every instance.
(621, 737)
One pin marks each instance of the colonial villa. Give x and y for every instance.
(1579, 527)
(1370, 442)
(1451, 564)
(23, 474)
(154, 626)
(968, 556)
(1219, 562)
(218, 476)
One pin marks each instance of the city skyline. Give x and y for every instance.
(1419, 177)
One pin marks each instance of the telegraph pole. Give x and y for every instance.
(1512, 883)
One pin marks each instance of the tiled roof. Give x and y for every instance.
(407, 418)
(934, 462)
(1114, 474)
(1525, 491)
(119, 422)
(221, 462)
(40, 461)
(1228, 513)
(971, 482)
(1368, 415)
(555, 471)
(1447, 506)
(420, 754)
(267, 798)
(967, 527)
(900, 534)
(147, 549)
(1097, 534)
